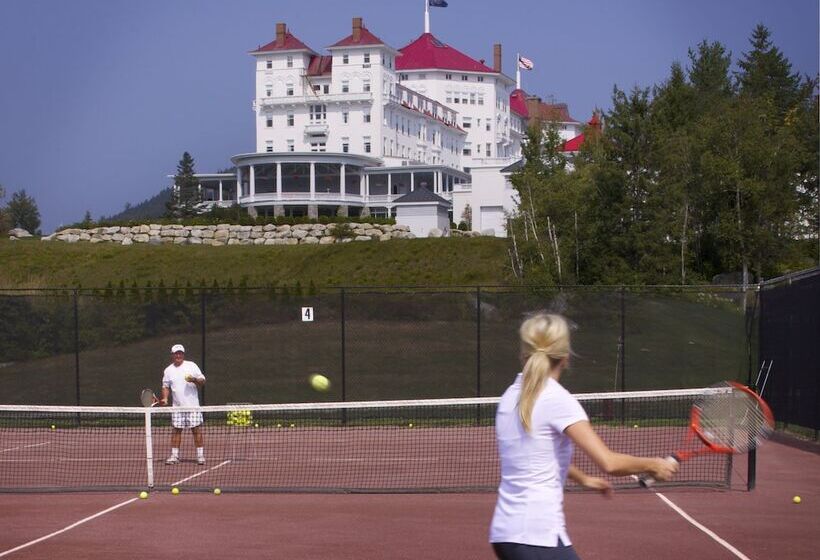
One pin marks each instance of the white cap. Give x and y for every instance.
(177, 348)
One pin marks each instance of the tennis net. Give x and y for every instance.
(445, 445)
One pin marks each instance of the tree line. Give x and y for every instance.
(20, 212)
(712, 171)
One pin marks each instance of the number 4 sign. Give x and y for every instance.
(307, 314)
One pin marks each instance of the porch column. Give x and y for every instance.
(312, 181)
(238, 183)
(278, 180)
(412, 178)
(252, 194)
(342, 182)
(220, 190)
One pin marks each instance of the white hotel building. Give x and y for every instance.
(355, 131)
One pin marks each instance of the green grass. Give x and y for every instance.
(445, 261)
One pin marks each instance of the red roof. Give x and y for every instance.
(518, 103)
(429, 52)
(365, 38)
(291, 44)
(320, 65)
(573, 144)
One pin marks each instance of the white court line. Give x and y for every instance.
(703, 528)
(24, 446)
(63, 530)
(98, 514)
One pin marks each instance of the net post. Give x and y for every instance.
(202, 329)
(478, 352)
(622, 348)
(751, 470)
(149, 449)
(343, 351)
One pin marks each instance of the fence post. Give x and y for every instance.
(622, 342)
(478, 341)
(202, 330)
(342, 338)
(77, 346)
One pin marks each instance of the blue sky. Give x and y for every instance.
(99, 98)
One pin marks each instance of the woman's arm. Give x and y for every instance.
(590, 482)
(617, 464)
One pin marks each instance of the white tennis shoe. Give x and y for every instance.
(172, 460)
(200, 461)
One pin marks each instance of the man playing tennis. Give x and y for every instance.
(182, 379)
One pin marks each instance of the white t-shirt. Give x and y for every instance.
(534, 465)
(183, 392)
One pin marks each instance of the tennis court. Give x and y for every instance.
(393, 479)
(760, 524)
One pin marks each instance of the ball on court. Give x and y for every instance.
(410, 425)
(217, 491)
(319, 382)
(174, 490)
(53, 427)
(635, 426)
(797, 499)
(256, 425)
(143, 494)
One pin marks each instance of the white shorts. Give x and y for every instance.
(186, 419)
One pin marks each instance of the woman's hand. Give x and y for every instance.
(599, 484)
(663, 469)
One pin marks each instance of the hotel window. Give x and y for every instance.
(318, 146)
(479, 78)
(402, 77)
(269, 121)
(345, 86)
(268, 64)
(464, 98)
(290, 61)
(317, 89)
(466, 122)
(345, 116)
(268, 90)
(422, 76)
(269, 146)
(467, 149)
(290, 119)
(318, 113)
(489, 150)
(472, 99)
(488, 125)
(290, 146)
(480, 99)
(345, 59)
(289, 89)
(449, 98)
(464, 77)
(448, 76)
(366, 144)
(456, 99)
(366, 117)
(366, 85)
(345, 145)
(326, 88)
(367, 58)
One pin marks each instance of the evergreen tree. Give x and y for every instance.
(23, 212)
(186, 195)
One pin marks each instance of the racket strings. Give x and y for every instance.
(734, 420)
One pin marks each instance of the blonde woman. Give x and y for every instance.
(537, 423)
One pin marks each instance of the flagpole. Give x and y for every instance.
(426, 16)
(517, 70)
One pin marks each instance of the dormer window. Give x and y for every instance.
(289, 89)
(345, 59)
(290, 61)
(268, 64)
(367, 58)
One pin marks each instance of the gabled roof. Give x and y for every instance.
(365, 38)
(573, 144)
(320, 65)
(429, 52)
(518, 103)
(420, 194)
(558, 112)
(291, 44)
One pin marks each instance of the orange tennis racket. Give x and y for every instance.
(731, 419)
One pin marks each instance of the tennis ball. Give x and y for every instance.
(635, 426)
(217, 491)
(174, 490)
(256, 425)
(143, 494)
(53, 427)
(797, 499)
(279, 425)
(410, 425)
(319, 382)
(293, 425)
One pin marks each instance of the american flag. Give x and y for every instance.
(525, 63)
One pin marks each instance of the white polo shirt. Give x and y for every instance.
(184, 393)
(530, 506)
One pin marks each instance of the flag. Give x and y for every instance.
(437, 3)
(525, 63)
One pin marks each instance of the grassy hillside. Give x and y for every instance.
(463, 261)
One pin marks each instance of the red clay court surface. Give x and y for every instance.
(761, 524)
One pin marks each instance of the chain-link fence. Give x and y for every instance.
(101, 347)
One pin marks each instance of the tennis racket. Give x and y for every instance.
(148, 398)
(732, 419)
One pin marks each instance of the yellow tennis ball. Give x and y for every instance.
(217, 491)
(256, 425)
(174, 490)
(635, 426)
(410, 425)
(293, 425)
(797, 499)
(53, 427)
(143, 494)
(319, 382)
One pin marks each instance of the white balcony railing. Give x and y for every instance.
(317, 129)
(363, 96)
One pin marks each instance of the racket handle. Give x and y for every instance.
(647, 481)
